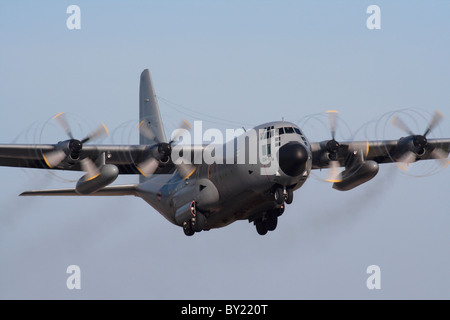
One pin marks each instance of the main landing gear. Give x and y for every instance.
(188, 227)
(269, 219)
(194, 224)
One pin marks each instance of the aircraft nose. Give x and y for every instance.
(293, 157)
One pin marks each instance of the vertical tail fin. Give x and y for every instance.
(149, 112)
(149, 109)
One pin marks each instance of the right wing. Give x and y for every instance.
(118, 190)
(125, 157)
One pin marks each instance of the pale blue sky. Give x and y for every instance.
(248, 63)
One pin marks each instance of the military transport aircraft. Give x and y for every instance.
(244, 185)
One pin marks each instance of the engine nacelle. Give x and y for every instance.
(415, 144)
(108, 173)
(357, 175)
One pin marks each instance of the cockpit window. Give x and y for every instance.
(289, 130)
(297, 131)
(280, 131)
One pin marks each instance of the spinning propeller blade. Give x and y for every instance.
(148, 167)
(90, 168)
(151, 163)
(54, 158)
(420, 142)
(334, 175)
(61, 120)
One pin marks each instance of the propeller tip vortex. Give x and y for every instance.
(106, 129)
(58, 115)
(439, 113)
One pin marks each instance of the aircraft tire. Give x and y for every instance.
(200, 222)
(271, 222)
(187, 228)
(278, 196)
(261, 228)
(290, 196)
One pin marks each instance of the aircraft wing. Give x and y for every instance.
(382, 151)
(117, 190)
(125, 157)
(360, 159)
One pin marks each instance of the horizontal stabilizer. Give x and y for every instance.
(119, 190)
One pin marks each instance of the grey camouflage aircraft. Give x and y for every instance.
(267, 164)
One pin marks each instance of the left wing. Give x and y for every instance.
(382, 151)
(361, 158)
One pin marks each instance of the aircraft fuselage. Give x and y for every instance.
(240, 186)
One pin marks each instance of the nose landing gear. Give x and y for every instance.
(278, 196)
(289, 196)
(281, 195)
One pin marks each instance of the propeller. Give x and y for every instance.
(73, 146)
(419, 142)
(88, 166)
(332, 119)
(334, 174)
(333, 147)
(164, 150)
(60, 118)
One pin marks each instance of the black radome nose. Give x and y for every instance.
(293, 157)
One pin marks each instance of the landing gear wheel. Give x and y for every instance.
(260, 227)
(271, 222)
(289, 196)
(187, 228)
(278, 196)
